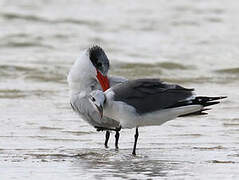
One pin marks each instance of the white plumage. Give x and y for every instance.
(149, 102)
(82, 79)
(128, 117)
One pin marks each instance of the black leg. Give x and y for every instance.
(117, 134)
(107, 136)
(135, 140)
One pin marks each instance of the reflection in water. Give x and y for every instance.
(118, 164)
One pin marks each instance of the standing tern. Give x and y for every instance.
(149, 102)
(89, 73)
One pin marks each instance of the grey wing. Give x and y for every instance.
(85, 109)
(147, 95)
(116, 80)
(89, 113)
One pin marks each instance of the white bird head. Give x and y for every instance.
(91, 66)
(97, 98)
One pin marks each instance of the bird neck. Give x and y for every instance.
(82, 75)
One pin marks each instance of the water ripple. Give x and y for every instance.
(16, 93)
(229, 71)
(34, 18)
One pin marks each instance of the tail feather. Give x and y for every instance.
(211, 103)
(204, 101)
(194, 114)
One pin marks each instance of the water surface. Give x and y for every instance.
(193, 43)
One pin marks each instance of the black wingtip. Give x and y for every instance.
(205, 98)
(211, 103)
(208, 101)
(217, 98)
(204, 101)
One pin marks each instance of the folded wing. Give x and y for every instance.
(147, 95)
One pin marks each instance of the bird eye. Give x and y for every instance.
(99, 64)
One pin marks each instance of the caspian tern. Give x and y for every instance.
(149, 102)
(89, 73)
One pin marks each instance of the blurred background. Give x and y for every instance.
(190, 42)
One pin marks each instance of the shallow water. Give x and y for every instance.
(193, 43)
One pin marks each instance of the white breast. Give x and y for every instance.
(126, 115)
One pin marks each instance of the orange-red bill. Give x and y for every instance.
(104, 81)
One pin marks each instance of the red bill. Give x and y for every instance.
(104, 81)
